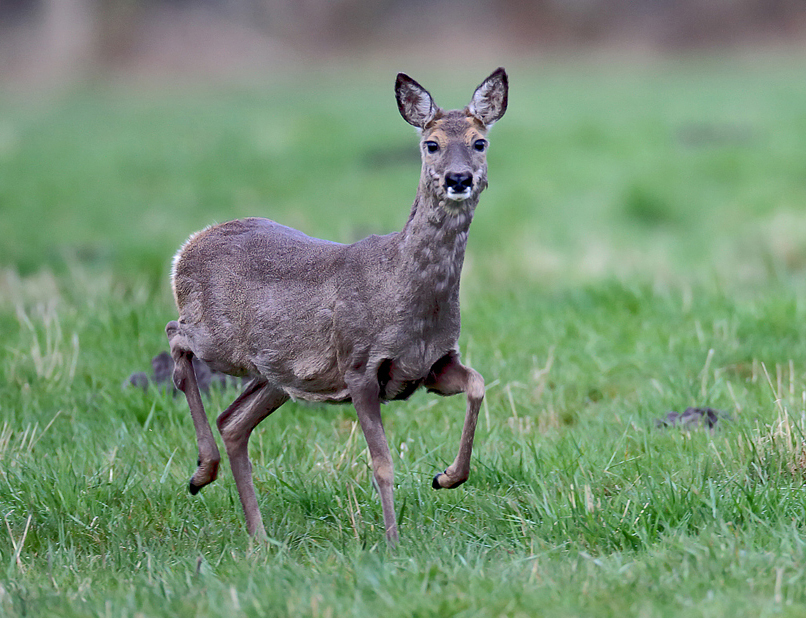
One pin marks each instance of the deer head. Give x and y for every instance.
(453, 144)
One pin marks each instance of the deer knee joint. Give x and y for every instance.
(171, 329)
(475, 385)
(384, 473)
(180, 378)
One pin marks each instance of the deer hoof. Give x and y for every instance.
(206, 473)
(435, 483)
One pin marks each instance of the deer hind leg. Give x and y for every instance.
(236, 424)
(367, 404)
(185, 380)
(448, 377)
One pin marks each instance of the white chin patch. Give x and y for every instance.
(457, 196)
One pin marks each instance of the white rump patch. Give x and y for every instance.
(178, 254)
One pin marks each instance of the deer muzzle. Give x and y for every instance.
(458, 185)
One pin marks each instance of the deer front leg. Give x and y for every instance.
(185, 380)
(236, 424)
(448, 377)
(367, 404)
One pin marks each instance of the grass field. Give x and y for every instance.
(641, 248)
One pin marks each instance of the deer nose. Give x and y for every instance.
(458, 182)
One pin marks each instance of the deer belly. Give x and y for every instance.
(310, 376)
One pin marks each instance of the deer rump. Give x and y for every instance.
(300, 312)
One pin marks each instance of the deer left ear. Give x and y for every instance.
(489, 102)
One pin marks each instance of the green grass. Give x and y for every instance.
(641, 248)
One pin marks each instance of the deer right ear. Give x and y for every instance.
(489, 102)
(415, 104)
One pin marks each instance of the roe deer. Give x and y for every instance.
(321, 321)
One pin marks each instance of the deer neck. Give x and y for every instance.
(433, 242)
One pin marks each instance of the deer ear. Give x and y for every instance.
(489, 102)
(415, 104)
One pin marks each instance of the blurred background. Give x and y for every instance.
(645, 139)
(60, 40)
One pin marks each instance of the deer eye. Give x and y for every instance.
(480, 145)
(431, 146)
